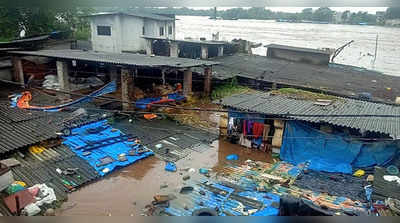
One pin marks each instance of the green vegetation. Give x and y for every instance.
(228, 89)
(36, 21)
(301, 94)
(393, 13)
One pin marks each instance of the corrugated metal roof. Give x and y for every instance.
(41, 168)
(135, 14)
(21, 128)
(119, 58)
(341, 79)
(285, 106)
(293, 48)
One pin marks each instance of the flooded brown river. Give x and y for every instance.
(360, 53)
(129, 190)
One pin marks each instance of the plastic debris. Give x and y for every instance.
(392, 170)
(192, 170)
(232, 157)
(105, 170)
(170, 166)
(392, 178)
(203, 171)
(359, 173)
(47, 197)
(150, 116)
(20, 183)
(186, 190)
(14, 188)
(36, 149)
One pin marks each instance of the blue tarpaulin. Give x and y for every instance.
(224, 202)
(330, 152)
(81, 137)
(142, 103)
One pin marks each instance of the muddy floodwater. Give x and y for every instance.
(360, 53)
(129, 190)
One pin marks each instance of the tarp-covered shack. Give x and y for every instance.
(333, 134)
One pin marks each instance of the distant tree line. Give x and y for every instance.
(323, 14)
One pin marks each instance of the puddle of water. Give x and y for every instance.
(129, 190)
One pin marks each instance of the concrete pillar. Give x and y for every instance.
(18, 71)
(149, 47)
(126, 83)
(220, 51)
(204, 52)
(207, 81)
(187, 82)
(173, 49)
(63, 76)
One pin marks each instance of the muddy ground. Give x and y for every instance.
(129, 190)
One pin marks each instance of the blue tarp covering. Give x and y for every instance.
(80, 137)
(224, 202)
(329, 152)
(142, 103)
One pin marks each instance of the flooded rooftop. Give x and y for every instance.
(129, 190)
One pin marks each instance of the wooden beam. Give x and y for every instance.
(18, 70)
(187, 82)
(126, 83)
(207, 81)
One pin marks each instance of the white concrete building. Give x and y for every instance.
(122, 32)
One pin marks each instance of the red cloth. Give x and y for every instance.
(258, 129)
(245, 128)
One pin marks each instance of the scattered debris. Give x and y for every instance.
(187, 177)
(186, 190)
(203, 171)
(232, 157)
(170, 166)
(164, 185)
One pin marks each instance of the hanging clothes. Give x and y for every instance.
(258, 129)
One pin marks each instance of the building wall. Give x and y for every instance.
(303, 57)
(131, 34)
(152, 28)
(106, 43)
(126, 32)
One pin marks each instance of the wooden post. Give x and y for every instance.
(207, 81)
(126, 82)
(18, 70)
(163, 71)
(114, 74)
(63, 77)
(173, 49)
(204, 52)
(187, 82)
